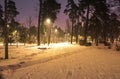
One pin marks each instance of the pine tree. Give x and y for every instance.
(1, 18)
(5, 31)
(12, 10)
(39, 21)
(71, 11)
(10, 14)
(50, 9)
(47, 9)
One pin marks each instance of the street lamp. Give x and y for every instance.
(56, 35)
(49, 33)
(48, 21)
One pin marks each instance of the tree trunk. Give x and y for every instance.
(39, 21)
(49, 36)
(112, 39)
(86, 26)
(6, 30)
(96, 41)
(77, 29)
(104, 38)
(72, 32)
(77, 35)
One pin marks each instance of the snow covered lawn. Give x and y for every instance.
(61, 61)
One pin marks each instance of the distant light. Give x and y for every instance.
(8, 25)
(48, 21)
(56, 30)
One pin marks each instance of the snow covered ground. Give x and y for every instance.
(60, 61)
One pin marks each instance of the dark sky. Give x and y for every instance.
(29, 8)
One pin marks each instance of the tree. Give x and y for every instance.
(50, 9)
(103, 15)
(47, 9)
(13, 28)
(12, 10)
(115, 1)
(114, 22)
(29, 25)
(114, 29)
(32, 34)
(59, 34)
(23, 34)
(97, 16)
(1, 18)
(39, 20)
(5, 31)
(10, 14)
(85, 5)
(95, 28)
(76, 31)
(98, 21)
(68, 26)
(1, 23)
(71, 10)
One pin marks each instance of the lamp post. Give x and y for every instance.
(56, 35)
(49, 32)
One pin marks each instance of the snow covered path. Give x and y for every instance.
(74, 62)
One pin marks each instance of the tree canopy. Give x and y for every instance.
(96, 16)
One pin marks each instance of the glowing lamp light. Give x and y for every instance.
(8, 25)
(56, 30)
(48, 21)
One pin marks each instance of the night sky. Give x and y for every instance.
(29, 8)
